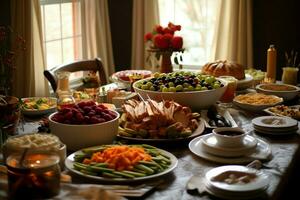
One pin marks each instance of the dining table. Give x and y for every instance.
(278, 167)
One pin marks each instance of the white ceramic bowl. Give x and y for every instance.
(256, 107)
(285, 94)
(193, 99)
(226, 140)
(34, 112)
(245, 83)
(80, 136)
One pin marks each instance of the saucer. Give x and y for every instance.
(254, 188)
(274, 122)
(210, 145)
(262, 151)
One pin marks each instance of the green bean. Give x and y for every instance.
(99, 169)
(145, 168)
(147, 146)
(138, 170)
(136, 174)
(79, 166)
(100, 164)
(93, 150)
(152, 163)
(123, 174)
(88, 172)
(111, 175)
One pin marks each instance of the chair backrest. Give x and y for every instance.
(82, 65)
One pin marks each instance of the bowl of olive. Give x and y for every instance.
(187, 88)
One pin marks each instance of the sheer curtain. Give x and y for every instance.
(28, 77)
(233, 37)
(96, 35)
(145, 16)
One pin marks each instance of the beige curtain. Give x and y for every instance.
(145, 16)
(233, 38)
(96, 34)
(30, 64)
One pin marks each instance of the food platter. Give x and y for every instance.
(69, 163)
(122, 77)
(285, 111)
(196, 133)
(34, 106)
(256, 106)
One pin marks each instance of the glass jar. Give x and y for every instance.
(290, 75)
(35, 176)
(228, 96)
(64, 94)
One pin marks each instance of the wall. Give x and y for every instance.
(4, 12)
(275, 22)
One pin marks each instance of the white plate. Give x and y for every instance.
(268, 110)
(262, 152)
(70, 161)
(264, 122)
(210, 145)
(32, 112)
(271, 132)
(197, 132)
(236, 191)
(255, 108)
(245, 83)
(226, 114)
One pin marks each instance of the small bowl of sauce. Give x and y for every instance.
(229, 137)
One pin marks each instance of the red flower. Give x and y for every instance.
(159, 29)
(161, 42)
(169, 31)
(148, 37)
(162, 38)
(174, 27)
(177, 42)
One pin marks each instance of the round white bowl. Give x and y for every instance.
(256, 107)
(85, 135)
(193, 99)
(34, 112)
(286, 94)
(229, 140)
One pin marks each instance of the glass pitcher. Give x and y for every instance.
(63, 91)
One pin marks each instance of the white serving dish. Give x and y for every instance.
(256, 107)
(35, 112)
(85, 135)
(286, 94)
(193, 99)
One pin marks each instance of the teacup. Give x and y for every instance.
(229, 137)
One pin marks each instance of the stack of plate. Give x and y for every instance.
(275, 125)
(253, 189)
(210, 145)
(207, 147)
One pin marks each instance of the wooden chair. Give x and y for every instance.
(82, 65)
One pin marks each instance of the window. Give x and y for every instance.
(198, 19)
(61, 31)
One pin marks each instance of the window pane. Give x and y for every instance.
(54, 54)
(68, 50)
(66, 18)
(198, 21)
(52, 20)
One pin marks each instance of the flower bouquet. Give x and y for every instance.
(163, 42)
